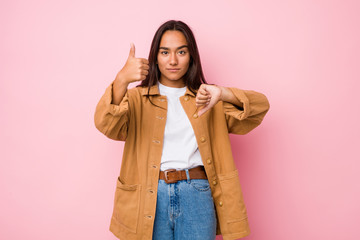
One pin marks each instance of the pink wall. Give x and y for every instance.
(299, 170)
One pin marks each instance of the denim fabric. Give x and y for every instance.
(185, 210)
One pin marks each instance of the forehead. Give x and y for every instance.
(172, 38)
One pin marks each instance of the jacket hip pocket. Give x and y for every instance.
(127, 205)
(232, 197)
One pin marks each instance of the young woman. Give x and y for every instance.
(178, 179)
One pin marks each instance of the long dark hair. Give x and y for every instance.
(194, 77)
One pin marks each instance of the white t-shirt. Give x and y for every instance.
(180, 149)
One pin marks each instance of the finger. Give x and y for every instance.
(143, 77)
(202, 97)
(204, 87)
(144, 60)
(203, 104)
(203, 110)
(132, 50)
(202, 91)
(201, 101)
(199, 105)
(145, 66)
(144, 72)
(206, 107)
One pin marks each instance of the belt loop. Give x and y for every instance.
(187, 175)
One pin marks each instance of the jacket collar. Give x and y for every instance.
(154, 90)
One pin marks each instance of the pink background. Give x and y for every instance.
(299, 169)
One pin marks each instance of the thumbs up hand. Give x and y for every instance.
(135, 69)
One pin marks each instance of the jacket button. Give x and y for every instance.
(220, 203)
(208, 161)
(195, 115)
(202, 139)
(186, 98)
(214, 182)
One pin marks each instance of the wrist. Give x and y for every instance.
(121, 81)
(222, 93)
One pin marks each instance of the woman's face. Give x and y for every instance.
(173, 58)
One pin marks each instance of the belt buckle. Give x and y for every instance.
(166, 176)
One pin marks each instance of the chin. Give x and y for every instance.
(173, 78)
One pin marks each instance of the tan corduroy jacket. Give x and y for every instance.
(141, 125)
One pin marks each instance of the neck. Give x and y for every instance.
(175, 83)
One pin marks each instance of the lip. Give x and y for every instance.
(173, 69)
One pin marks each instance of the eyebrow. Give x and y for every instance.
(176, 48)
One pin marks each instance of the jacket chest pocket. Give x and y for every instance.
(127, 205)
(232, 200)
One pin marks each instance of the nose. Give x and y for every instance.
(173, 59)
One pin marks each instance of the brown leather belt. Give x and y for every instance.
(173, 175)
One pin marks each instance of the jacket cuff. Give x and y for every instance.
(237, 111)
(113, 109)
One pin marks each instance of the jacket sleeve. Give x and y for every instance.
(243, 120)
(111, 119)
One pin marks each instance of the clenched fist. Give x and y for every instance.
(135, 69)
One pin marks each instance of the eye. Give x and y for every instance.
(162, 52)
(182, 52)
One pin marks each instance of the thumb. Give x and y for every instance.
(132, 50)
(203, 109)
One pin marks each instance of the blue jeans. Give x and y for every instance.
(185, 210)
